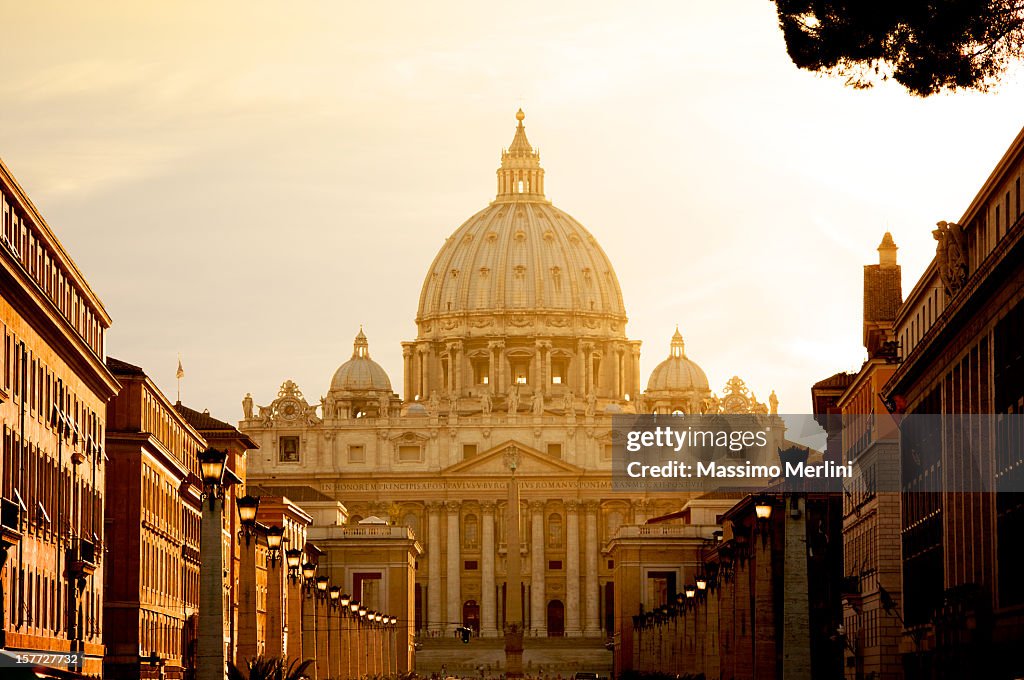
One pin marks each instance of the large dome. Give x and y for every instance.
(361, 373)
(521, 256)
(677, 373)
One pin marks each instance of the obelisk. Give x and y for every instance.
(513, 575)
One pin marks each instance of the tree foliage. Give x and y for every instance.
(926, 46)
(270, 668)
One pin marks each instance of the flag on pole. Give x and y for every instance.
(181, 371)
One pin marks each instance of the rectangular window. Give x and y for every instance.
(468, 451)
(999, 224)
(288, 448)
(1017, 197)
(554, 565)
(470, 565)
(555, 450)
(356, 453)
(409, 453)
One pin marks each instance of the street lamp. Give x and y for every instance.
(293, 558)
(335, 593)
(247, 507)
(275, 536)
(308, 574)
(690, 590)
(345, 599)
(321, 586)
(702, 583)
(763, 512)
(763, 509)
(212, 463)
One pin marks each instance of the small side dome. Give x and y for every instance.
(677, 373)
(415, 409)
(361, 373)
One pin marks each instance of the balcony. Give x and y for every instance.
(81, 559)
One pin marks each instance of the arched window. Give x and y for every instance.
(554, 531)
(470, 532)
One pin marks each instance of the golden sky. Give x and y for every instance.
(247, 182)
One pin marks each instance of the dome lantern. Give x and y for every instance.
(678, 347)
(520, 176)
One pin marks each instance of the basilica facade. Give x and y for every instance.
(521, 355)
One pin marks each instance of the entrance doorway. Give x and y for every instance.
(556, 619)
(471, 616)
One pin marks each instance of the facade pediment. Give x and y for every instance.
(529, 461)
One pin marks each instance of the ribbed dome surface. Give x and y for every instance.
(521, 256)
(361, 373)
(677, 373)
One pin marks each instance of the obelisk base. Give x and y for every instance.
(513, 651)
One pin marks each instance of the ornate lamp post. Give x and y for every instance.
(333, 596)
(366, 639)
(354, 641)
(308, 575)
(275, 536)
(763, 512)
(346, 644)
(210, 651)
(323, 638)
(247, 507)
(293, 558)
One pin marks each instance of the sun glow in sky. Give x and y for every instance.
(247, 182)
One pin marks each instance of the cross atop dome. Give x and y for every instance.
(520, 177)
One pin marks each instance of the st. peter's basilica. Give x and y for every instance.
(521, 348)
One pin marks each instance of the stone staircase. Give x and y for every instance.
(542, 657)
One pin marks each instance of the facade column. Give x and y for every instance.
(572, 569)
(457, 377)
(503, 373)
(435, 616)
(408, 391)
(538, 627)
(617, 361)
(488, 614)
(424, 357)
(454, 613)
(492, 366)
(592, 622)
(635, 382)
